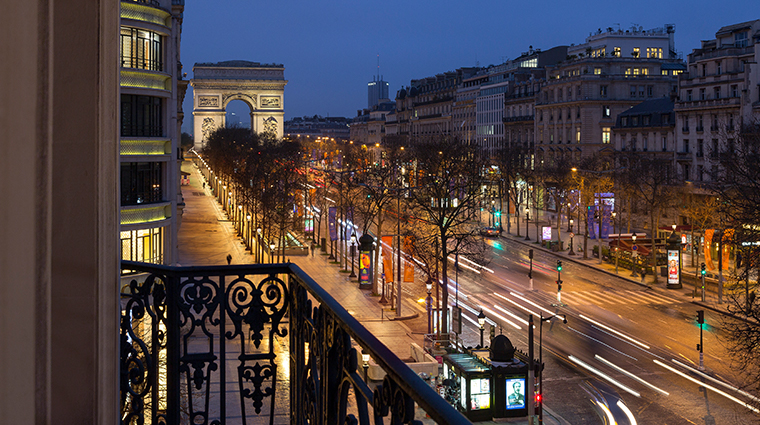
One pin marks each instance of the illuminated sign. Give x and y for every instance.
(365, 267)
(673, 276)
(515, 393)
(546, 232)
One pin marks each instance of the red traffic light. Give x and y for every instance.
(539, 398)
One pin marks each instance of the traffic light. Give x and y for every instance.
(702, 270)
(701, 317)
(559, 285)
(530, 253)
(492, 332)
(559, 265)
(537, 400)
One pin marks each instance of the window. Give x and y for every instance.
(578, 92)
(717, 92)
(603, 91)
(141, 49)
(730, 122)
(650, 91)
(605, 111)
(701, 172)
(665, 119)
(685, 145)
(741, 39)
(645, 118)
(636, 71)
(689, 96)
(597, 71)
(144, 245)
(577, 134)
(715, 146)
(569, 93)
(633, 144)
(663, 72)
(686, 124)
(719, 67)
(644, 71)
(634, 121)
(645, 144)
(702, 95)
(654, 52)
(700, 148)
(141, 182)
(704, 70)
(664, 143)
(628, 72)
(616, 51)
(624, 121)
(141, 116)
(641, 91)
(633, 91)
(605, 135)
(686, 171)
(700, 123)
(636, 52)
(734, 91)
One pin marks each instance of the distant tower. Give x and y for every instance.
(377, 89)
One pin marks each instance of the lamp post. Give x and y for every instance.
(617, 245)
(240, 219)
(271, 253)
(634, 255)
(365, 363)
(258, 245)
(248, 239)
(429, 302)
(353, 254)
(572, 236)
(541, 359)
(481, 323)
(527, 222)
(569, 220)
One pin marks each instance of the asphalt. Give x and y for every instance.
(686, 292)
(206, 236)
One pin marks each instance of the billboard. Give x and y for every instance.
(515, 393)
(673, 267)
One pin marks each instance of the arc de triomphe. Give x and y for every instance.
(260, 86)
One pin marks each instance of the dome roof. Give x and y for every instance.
(502, 349)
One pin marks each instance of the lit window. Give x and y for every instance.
(577, 134)
(636, 71)
(636, 52)
(597, 71)
(664, 72)
(605, 135)
(628, 71)
(616, 52)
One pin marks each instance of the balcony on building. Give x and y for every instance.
(257, 344)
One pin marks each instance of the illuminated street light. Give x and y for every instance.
(481, 323)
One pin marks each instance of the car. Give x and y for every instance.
(490, 231)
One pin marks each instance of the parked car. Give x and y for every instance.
(490, 231)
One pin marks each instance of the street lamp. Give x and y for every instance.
(617, 245)
(271, 252)
(365, 363)
(481, 323)
(527, 221)
(569, 220)
(541, 321)
(634, 257)
(572, 235)
(258, 245)
(248, 239)
(353, 254)
(429, 301)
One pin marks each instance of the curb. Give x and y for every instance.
(411, 316)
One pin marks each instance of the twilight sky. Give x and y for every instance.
(329, 47)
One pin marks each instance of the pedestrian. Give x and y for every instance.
(229, 259)
(204, 185)
(311, 247)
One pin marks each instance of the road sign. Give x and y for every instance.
(572, 235)
(635, 247)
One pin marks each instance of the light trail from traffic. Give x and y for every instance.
(629, 374)
(603, 375)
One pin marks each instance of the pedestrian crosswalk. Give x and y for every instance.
(617, 297)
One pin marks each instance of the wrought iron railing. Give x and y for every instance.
(244, 344)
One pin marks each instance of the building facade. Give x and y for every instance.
(317, 126)
(582, 97)
(717, 96)
(377, 91)
(151, 94)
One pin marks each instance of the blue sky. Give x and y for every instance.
(329, 48)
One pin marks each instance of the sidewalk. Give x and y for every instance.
(206, 237)
(686, 293)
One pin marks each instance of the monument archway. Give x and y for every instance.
(215, 85)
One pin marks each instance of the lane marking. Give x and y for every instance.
(605, 376)
(629, 374)
(709, 387)
(495, 314)
(520, 297)
(520, 319)
(600, 342)
(614, 331)
(717, 381)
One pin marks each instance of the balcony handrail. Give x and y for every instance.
(400, 380)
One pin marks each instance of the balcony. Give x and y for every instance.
(255, 344)
(683, 156)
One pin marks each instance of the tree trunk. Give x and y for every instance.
(444, 286)
(559, 224)
(585, 237)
